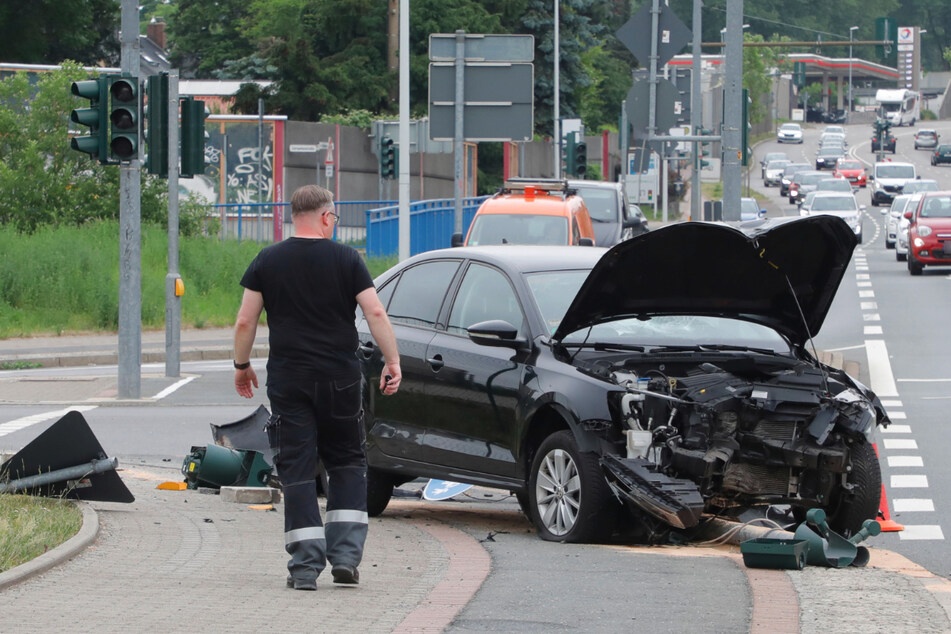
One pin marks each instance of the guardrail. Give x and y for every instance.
(431, 224)
(255, 221)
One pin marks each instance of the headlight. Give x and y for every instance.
(924, 231)
(919, 242)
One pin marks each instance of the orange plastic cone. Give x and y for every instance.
(884, 518)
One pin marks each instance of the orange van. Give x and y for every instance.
(531, 211)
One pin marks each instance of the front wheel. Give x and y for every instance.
(379, 491)
(569, 498)
(901, 257)
(914, 267)
(862, 502)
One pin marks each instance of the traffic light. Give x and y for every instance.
(156, 135)
(95, 117)
(704, 148)
(388, 161)
(124, 116)
(193, 137)
(581, 159)
(570, 153)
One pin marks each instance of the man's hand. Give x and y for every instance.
(390, 379)
(243, 380)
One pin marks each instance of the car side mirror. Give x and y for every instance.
(871, 177)
(495, 333)
(917, 178)
(457, 240)
(907, 215)
(861, 207)
(884, 209)
(762, 213)
(586, 242)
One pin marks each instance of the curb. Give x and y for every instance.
(63, 360)
(67, 550)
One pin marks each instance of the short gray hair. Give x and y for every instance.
(310, 198)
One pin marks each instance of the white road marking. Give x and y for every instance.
(869, 305)
(891, 403)
(866, 293)
(905, 461)
(879, 369)
(922, 532)
(871, 317)
(924, 380)
(898, 416)
(913, 505)
(899, 443)
(174, 386)
(863, 284)
(21, 423)
(862, 276)
(873, 330)
(861, 268)
(909, 482)
(896, 429)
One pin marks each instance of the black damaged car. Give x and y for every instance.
(645, 388)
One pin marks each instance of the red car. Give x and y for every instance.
(851, 170)
(929, 234)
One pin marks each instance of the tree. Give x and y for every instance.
(203, 35)
(49, 31)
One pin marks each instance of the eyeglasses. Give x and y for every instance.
(335, 215)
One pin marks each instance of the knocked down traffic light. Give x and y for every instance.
(95, 117)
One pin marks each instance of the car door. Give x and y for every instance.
(397, 423)
(473, 390)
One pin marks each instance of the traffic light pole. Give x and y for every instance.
(130, 232)
(173, 300)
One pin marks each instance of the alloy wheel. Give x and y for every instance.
(558, 492)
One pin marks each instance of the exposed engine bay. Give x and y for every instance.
(717, 432)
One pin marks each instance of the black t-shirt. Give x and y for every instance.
(310, 287)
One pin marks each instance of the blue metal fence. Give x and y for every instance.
(373, 224)
(431, 224)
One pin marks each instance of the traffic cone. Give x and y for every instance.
(884, 518)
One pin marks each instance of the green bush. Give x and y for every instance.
(928, 115)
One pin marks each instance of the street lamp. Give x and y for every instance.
(848, 116)
(723, 32)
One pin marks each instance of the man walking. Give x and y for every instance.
(310, 287)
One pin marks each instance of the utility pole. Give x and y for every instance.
(173, 299)
(696, 119)
(130, 230)
(733, 112)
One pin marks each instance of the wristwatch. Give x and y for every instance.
(242, 366)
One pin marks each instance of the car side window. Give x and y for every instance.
(575, 231)
(484, 294)
(420, 291)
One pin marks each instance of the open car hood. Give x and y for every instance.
(704, 268)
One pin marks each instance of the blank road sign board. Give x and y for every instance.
(497, 99)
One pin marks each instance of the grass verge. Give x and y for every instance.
(30, 526)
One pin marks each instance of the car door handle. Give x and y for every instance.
(436, 363)
(366, 349)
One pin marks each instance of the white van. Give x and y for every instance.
(887, 180)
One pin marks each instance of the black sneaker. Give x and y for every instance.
(301, 584)
(345, 574)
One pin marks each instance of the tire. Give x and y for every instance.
(524, 502)
(914, 267)
(889, 245)
(379, 491)
(569, 498)
(862, 503)
(901, 257)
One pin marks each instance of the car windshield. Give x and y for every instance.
(792, 168)
(936, 207)
(895, 171)
(749, 208)
(601, 203)
(921, 186)
(809, 179)
(833, 203)
(789, 127)
(777, 164)
(834, 185)
(831, 151)
(926, 134)
(850, 165)
(518, 229)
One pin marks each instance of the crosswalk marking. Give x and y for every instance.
(20, 423)
(896, 429)
(905, 461)
(912, 505)
(922, 531)
(900, 443)
(909, 482)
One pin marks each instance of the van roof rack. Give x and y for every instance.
(548, 185)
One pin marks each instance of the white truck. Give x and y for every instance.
(899, 106)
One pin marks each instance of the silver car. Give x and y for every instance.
(773, 172)
(838, 204)
(901, 232)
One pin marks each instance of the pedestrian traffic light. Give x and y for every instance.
(156, 135)
(124, 116)
(95, 117)
(581, 159)
(388, 161)
(193, 137)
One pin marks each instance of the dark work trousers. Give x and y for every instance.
(322, 418)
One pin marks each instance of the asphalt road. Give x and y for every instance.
(895, 326)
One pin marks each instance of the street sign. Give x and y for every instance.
(672, 35)
(498, 102)
(483, 48)
(304, 149)
(638, 107)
